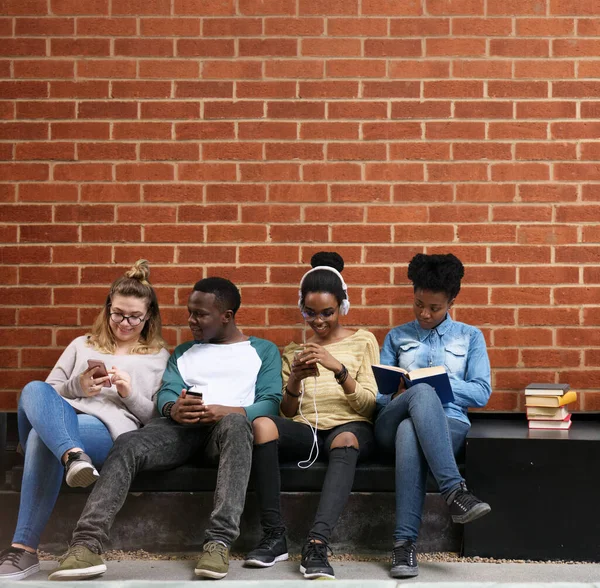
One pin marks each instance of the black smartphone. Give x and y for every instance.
(194, 391)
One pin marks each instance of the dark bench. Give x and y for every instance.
(181, 499)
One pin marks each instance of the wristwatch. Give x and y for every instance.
(167, 408)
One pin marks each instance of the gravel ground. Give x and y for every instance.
(446, 557)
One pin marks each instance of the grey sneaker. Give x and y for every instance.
(214, 561)
(79, 470)
(78, 563)
(18, 564)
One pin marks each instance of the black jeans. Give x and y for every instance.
(294, 443)
(163, 445)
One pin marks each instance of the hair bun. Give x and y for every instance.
(140, 271)
(328, 258)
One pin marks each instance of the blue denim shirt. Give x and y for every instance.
(460, 348)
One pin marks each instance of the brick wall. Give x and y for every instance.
(237, 137)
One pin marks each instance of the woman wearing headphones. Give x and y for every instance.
(328, 402)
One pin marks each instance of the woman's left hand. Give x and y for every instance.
(122, 382)
(317, 354)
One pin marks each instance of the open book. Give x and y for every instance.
(388, 379)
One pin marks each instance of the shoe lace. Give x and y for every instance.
(465, 499)
(11, 555)
(269, 539)
(213, 546)
(75, 551)
(318, 552)
(73, 456)
(405, 554)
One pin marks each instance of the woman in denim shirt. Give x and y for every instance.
(413, 424)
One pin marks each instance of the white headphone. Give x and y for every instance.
(345, 304)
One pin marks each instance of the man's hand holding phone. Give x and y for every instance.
(94, 378)
(187, 409)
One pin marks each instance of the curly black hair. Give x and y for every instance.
(227, 296)
(437, 273)
(323, 280)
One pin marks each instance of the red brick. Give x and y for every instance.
(19, 7)
(54, 233)
(397, 214)
(424, 150)
(547, 193)
(142, 7)
(487, 69)
(172, 27)
(361, 110)
(23, 90)
(199, 172)
(302, 192)
(44, 26)
(83, 172)
(520, 254)
(106, 151)
(106, 27)
(459, 213)
(172, 193)
(294, 68)
(53, 192)
(357, 27)
(394, 171)
(550, 151)
(589, 192)
(328, 130)
(206, 254)
(485, 316)
(414, 234)
(141, 130)
(578, 213)
(575, 130)
(170, 110)
(577, 337)
(452, 7)
(350, 68)
(482, 27)
(25, 254)
(456, 47)
(142, 89)
(23, 131)
(83, 254)
(516, 7)
(332, 172)
(591, 234)
(171, 69)
(548, 316)
(516, 213)
(419, 69)
(277, 47)
(292, 151)
(242, 151)
(236, 233)
(87, 89)
(575, 89)
(231, 27)
(144, 47)
(146, 214)
(269, 172)
(205, 47)
(169, 151)
(46, 109)
(548, 275)
(423, 192)
(7, 110)
(329, 89)
(586, 27)
(110, 110)
(204, 8)
(23, 47)
(588, 69)
(205, 130)
(270, 214)
(506, 172)
(391, 130)
(266, 89)
(225, 109)
(548, 27)
(298, 233)
(517, 130)
(144, 172)
(331, 47)
(453, 89)
(49, 275)
(24, 171)
(486, 233)
(391, 8)
(232, 69)
(506, 89)
(106, 68)
(487, 150)
(521, 296)
(334, 213)
(425, 109)
(392, 48)
(328, 7)
(45, 151)
(19, 213)
(296, 110)
(93, 47)
(541, 69)
(577, 254)
(235, 193)
(455, 130)
(576, 171)
(8, 234)
(44, 68)
(80, 130)
(520, 48)
(356, 151)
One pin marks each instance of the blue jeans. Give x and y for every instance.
(49, 426)
(415, 428)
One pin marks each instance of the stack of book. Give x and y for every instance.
(547, 406)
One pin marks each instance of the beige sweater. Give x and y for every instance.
(358, 353)
(118, 414)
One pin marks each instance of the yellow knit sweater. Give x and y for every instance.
(357, 352)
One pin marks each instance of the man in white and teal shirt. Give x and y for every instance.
(239, 378)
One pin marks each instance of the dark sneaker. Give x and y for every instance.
(214, 561)
(314, 562)
(79, 470)
(404, 560)
(18, 564)
(465, 507)
(271, 549)
(78, 563)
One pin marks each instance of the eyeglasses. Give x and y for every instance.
(134, 321)
(311, 315)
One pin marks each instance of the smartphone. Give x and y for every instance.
(100, 371)
(195, 391)
(297, 355)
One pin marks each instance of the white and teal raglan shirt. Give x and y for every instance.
(245, 374)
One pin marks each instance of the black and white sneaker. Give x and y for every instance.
(271, 549)
(79, 470)
(18, 564)
(404, 560)
(314, 562)
(465, 506)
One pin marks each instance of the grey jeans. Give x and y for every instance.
(162, 445)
